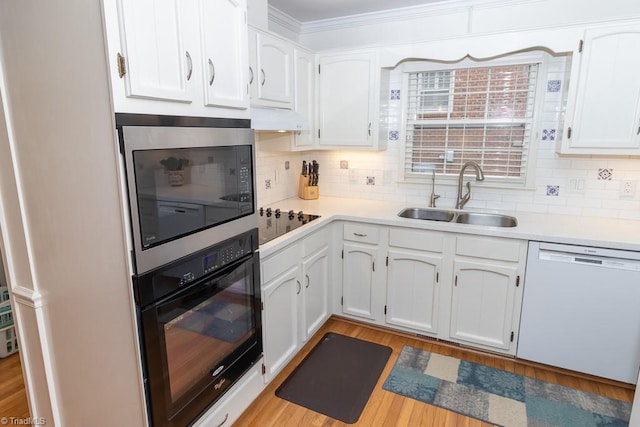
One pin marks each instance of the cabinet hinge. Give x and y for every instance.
(512, 334)
(385, 309)
(437, 276)
(122, 70)
(318, 133)
(373, 266)
(341, 300)
(342, 256)
(261, 306)
(517, 281)
(580, 45)
(387, 262)
(264, 369)
(569, 133)
(318, 68)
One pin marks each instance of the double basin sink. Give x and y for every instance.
(473, 218)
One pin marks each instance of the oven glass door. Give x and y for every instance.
(181, 191)
(193, 340)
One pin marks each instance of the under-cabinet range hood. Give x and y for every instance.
(277, 119)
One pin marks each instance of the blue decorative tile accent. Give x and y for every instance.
(395, 94)
(548, 134)
(267, 184)
(605, 174)
(553, 190)
(554, 85)
(371, 180)
(393, 135)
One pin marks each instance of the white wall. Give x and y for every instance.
(63, 222)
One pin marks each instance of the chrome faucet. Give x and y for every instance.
(434, 196)
(462, 200)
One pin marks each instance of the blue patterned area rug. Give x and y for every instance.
(499, 397)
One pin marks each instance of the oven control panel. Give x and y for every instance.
(163, 281)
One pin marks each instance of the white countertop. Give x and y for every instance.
(568, 229)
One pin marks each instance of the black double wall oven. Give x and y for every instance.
(191, 188)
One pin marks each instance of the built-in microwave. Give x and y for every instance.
(190, 182)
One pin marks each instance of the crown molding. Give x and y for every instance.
(285, 21)
(391, 15)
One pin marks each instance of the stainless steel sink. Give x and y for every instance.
(427, 214)
(473, 218)
(489, 219)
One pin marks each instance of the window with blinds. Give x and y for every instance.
(480, 114)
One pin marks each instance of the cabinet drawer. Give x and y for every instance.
(315, 242)
(236, 400)
(489, 247)
(424, 240)
(361, 233)
(281, 261)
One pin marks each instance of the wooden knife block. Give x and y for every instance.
(306, 191)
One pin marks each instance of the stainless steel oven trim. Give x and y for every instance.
(163, 137)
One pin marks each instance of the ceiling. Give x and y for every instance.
(313, 10)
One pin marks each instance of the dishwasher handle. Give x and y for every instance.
(592, 261)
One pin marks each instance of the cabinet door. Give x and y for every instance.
(348, 96)
(315, 271)
(274, 72)
(359, 280)
(225, 53)
(606, 100)
(304, 101)
(413, 290)
(281, 299)
(159, 40)
(482, 303)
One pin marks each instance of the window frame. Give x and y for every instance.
(538, 57)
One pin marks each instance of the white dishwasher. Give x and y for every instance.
(581, 310)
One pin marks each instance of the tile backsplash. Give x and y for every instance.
(587, 186)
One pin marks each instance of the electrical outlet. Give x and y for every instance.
(627, 189)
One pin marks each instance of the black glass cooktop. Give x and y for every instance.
(273, 223)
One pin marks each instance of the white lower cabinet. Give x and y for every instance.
(456, 287)
(487, 292)
(295, 297)
(414, 279)
(413, 290)
(363, 279)
(280, 298)
(229, 408)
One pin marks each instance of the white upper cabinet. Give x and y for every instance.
(304, 101)
(158, 47)
(271, 71)
(179, 57)
(349, 100)
(225, 53)
(603, 111)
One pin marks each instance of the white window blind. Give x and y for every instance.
(481, 114)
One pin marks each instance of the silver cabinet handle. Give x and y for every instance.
(226, 417)
(569, 133)
(213, 72)
(299, 287)
(251, 74)
(190, 64)
(369, 129)
(308, 280)
(264, 77)
(360, 234)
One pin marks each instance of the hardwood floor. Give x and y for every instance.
(389, 409)
(13, 397)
